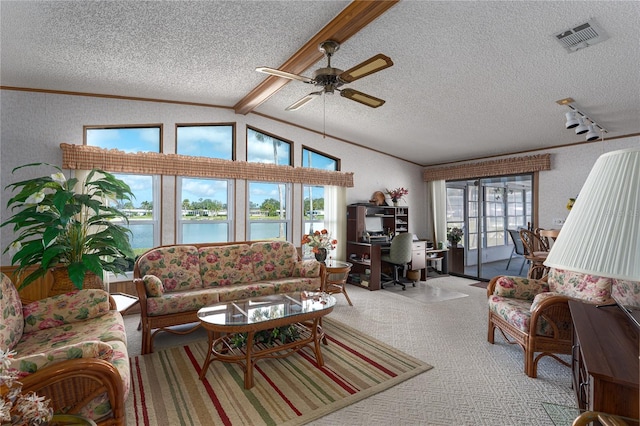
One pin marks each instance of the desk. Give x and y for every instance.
(438, 259)
(337, 274)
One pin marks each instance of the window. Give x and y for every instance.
(144, 210)
(313, 197)
(265, 148)
(204, 214)
(213, 140)
(268, 214)
(455, 207)
(204, 205)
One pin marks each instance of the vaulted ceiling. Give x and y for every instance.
(469, 80)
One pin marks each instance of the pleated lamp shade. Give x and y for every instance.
(601, 235)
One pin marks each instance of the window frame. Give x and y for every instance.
(288, 214)
(233, 135)
(271, 135)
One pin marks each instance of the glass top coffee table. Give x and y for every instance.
(274, 326)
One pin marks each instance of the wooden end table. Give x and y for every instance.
(226, 321)
(337, 274)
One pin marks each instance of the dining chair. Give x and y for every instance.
(518, 248)
(536, 251)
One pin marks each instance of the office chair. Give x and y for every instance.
(399, 256)
(518, 248)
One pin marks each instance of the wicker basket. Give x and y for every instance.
(63, 284)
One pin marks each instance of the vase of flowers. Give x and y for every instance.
(320, 242)
(69, 224)
(17, 408)
(454, 235)
(397, 194)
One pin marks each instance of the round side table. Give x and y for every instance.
(336, 280)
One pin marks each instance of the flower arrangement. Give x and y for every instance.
(454, 235)
(319, 240)
(57, 226)
(17, 408)
(397, 194)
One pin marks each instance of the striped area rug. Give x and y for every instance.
(287, 391)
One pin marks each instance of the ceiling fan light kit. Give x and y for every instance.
(330, 79)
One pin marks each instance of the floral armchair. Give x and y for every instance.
(71, 349)
(535, 314)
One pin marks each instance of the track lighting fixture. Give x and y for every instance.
(592, 134)
(579, 121)
(582, 128)
(572, 121)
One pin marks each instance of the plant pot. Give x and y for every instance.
(321, 255)
(63, 284)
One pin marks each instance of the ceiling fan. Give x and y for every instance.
(331, 79)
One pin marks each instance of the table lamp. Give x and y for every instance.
(601, 235)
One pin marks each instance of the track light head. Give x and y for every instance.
(582, 127)
(572, 121)
(592, 134)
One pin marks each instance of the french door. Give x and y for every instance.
(485, 209)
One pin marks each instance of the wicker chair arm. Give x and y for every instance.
(71, 384)
(142, 295)
(554, 309)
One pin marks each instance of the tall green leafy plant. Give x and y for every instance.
(60, 222)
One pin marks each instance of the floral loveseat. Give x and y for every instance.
(174, 282)
(535, 313)
(70, 348)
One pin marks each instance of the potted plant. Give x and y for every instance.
(454, 235)
(69, 224)
(397, 194)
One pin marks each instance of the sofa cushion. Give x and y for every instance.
(273, 260)
(519, 288)
(153, 285)
(178, 267)
(226, 265)
(517, 312)
(306, 268)
(12, 324)
(245, 291)
(289, 285)
(626, 292)
(106, 328)
(68, 308)
(586, 287)
(180, 301)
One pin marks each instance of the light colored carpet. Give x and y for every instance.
(472, 382)
(166, 389)
(425, 292)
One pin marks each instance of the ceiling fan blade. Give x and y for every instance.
(363, 98)
(371, 65)
(301, 102)
(284, 74)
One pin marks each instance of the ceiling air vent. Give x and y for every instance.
(581, 36)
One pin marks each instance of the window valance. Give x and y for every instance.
(83, 157)
(506, 166)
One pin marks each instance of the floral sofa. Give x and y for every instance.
(174, 282)
(70, 348)
(535, 313)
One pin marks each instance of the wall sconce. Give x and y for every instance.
(578, 120)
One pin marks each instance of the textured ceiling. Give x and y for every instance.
(470, 79)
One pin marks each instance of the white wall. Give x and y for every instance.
(34, 124)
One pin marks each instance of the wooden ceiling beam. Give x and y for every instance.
(357, 15)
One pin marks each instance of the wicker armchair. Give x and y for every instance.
(70, 348)
(535, 314)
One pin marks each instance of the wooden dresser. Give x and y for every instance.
(605, 360)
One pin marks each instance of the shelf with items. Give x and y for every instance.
(365, 261)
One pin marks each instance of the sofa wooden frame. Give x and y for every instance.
(152, 325)
(555, 310)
